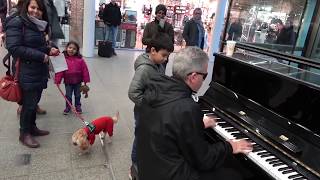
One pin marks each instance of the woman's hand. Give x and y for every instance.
(46, 59)
(54, 52)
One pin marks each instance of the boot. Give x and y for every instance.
(35, 131)
(27, 140)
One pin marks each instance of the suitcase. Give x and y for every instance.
(105, 49)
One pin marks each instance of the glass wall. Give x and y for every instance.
(281, 25)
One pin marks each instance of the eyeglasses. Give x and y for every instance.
(204, 75)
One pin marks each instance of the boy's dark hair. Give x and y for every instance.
(78, 49)
(160, 41)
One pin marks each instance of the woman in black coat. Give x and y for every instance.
(26, 40)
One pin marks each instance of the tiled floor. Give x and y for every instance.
(57, 158)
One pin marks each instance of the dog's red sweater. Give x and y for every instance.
(104, 124)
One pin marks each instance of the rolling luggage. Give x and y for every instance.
(105, 49)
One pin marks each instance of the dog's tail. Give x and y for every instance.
(116, 117)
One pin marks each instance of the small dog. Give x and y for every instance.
(83, 138)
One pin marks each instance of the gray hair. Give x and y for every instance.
(188, 60)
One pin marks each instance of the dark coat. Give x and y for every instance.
(191, 34)
(3, 6)
(286, 36)
(53, 20)
(153, 27)
(112, 15)
(170, 134)
(24, 40)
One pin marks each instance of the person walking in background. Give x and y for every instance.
(146, 65)
(73, 77)
(159, 24)
(55, 30)
(25, 39)
(235, 30)
(112, 19)
(170, 138)
(286, 33)
(3, 10)
(193, 31)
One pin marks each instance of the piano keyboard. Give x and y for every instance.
(259, 155)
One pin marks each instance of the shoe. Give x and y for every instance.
(78, 109)
(114, 53)
(133, 173)
(66, 111)
(41, 111)
(37, 132)
(27, 140)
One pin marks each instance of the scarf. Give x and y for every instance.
(41, 25)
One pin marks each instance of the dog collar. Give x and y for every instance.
(90, 126)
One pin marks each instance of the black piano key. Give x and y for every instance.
(239, 135)
(225, 125)
(271, 159)
(284, 168)
(262, 153)
(232, 130)
(295, 176)
(288, 171)
(278, 164)
(257, 149)
(266, 155)
(275, 161)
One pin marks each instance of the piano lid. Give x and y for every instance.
(288, 91)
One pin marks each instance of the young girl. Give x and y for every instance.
(73, 77)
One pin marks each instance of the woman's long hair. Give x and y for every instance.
(24, 10)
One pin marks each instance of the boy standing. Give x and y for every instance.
(147, 65)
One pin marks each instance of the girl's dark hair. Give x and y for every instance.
(24, 9)
(77, 46)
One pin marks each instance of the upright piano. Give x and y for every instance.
(272, 103)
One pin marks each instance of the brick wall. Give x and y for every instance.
(76, 23)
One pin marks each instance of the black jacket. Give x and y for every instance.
(24, 40)
(170, 134)
(53, 20)
(191, 34)
(112, 15)
(3, 6)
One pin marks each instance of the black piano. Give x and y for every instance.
(272, 103)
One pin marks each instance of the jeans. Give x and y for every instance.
(111, 34)
(134, 144)
(70, 89)
(30, 100)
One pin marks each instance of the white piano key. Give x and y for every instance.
(257, 159)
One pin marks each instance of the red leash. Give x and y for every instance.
(72, 107)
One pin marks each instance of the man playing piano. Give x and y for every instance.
(170, 139)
